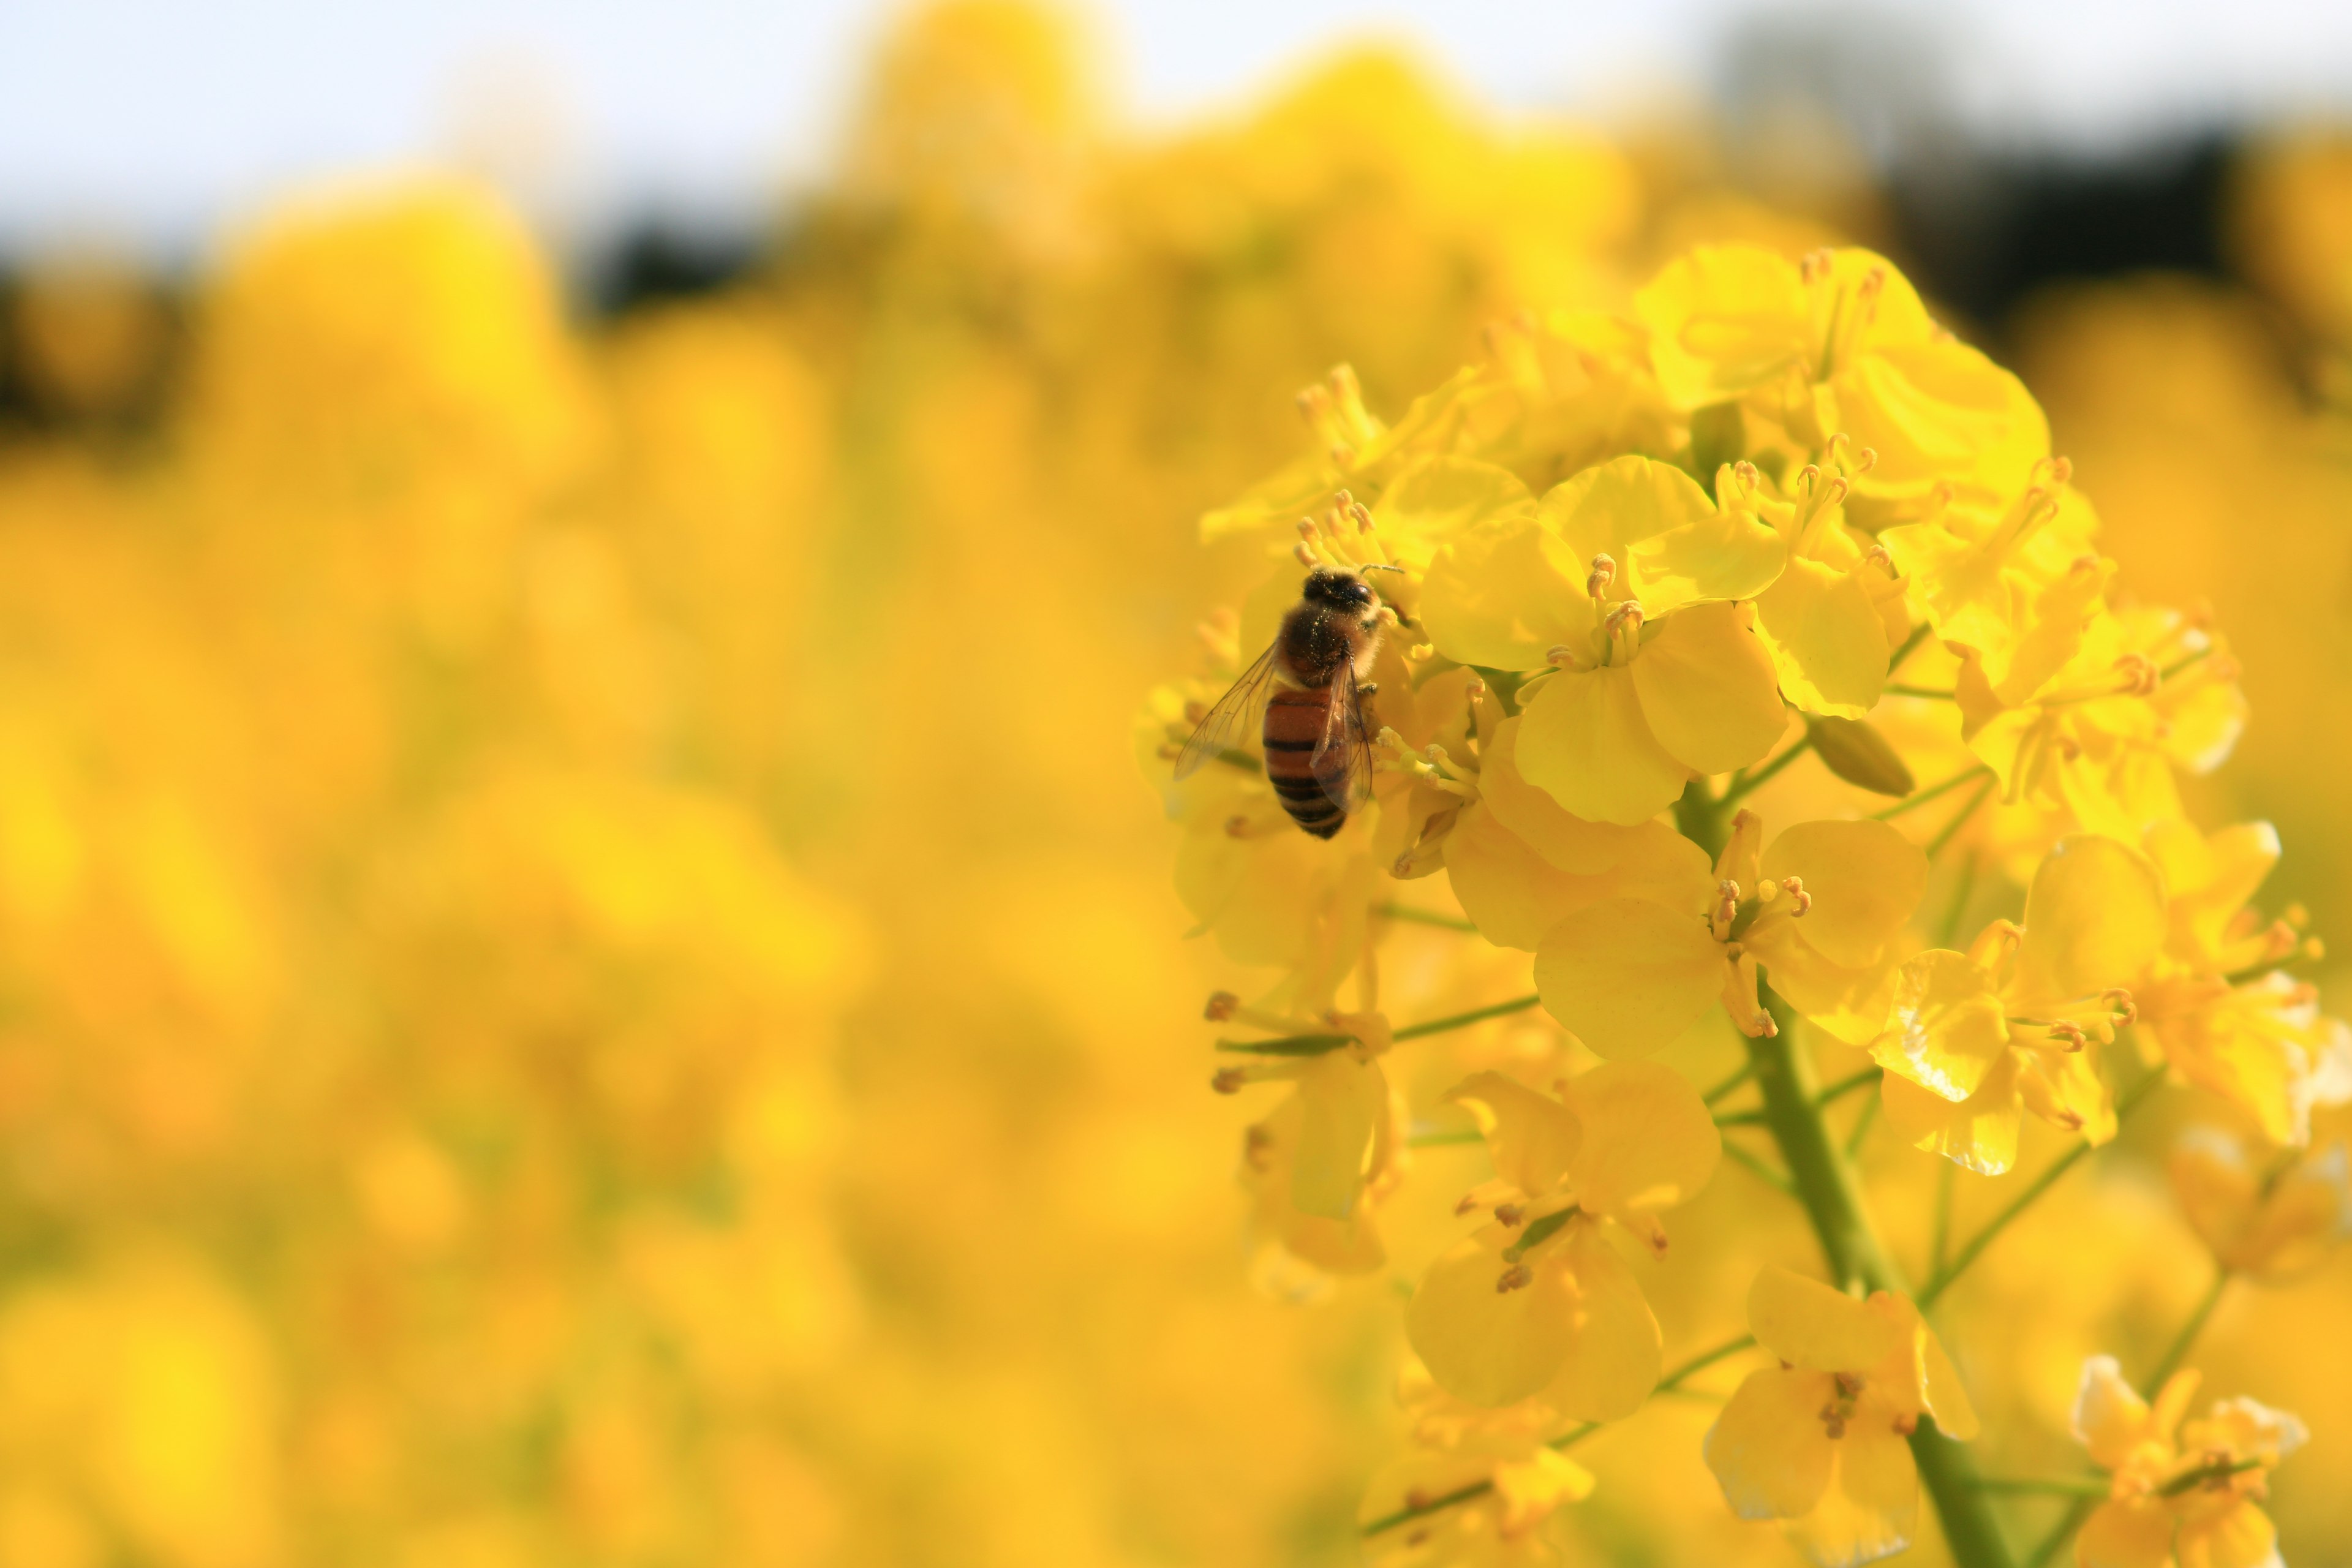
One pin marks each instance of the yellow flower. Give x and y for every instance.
(1622, 581)
(1841, 342)
(1520, 863)
(1820, 1442)
(2013, 584)
(2184, 1494)
(2093, 721)
(1836, 611)
(1819, 910)
(1538, 1302)
(1319, 1165)
(2228, 1019)
(2271, 1224)
(2013, 1024)
(1456, 1447)
(1334, 1139)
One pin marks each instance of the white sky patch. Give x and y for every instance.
(149, 122)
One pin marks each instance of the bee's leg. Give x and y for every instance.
(1368, 689)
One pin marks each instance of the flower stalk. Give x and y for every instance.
(1822, 1181)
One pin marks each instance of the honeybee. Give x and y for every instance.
(1317, 755)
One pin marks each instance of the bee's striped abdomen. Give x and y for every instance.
(1294, 722)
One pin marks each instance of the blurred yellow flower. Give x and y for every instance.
(2185, 1492)
(1537, 1302)
(1820, 1442)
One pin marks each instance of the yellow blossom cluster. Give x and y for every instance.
(1749, 658)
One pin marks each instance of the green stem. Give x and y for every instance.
(1947, 1179)
(1747, 1071)
(1934, 693)
(1759, 1170)
(1895, 661)
(1951, 829)
(2041, 1184)
(1823, 1181)
(1461, 1020)
(1932, 793)
(2063, 1532)
(1288, 1046)
(1848, 1084)
(1825, 1185)
(1424, 918)
(2053, 1486)
(2178, 1351)
(1318, 1045)
(1746, 782)
(1964, 887)
(1862, 1125)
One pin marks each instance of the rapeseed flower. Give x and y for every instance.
(1621, 587)
(2016, 1021)
(1819, 912)
(1840, 342)
(2186, 1491)
(1504, 1455)
(1822, 1442)
(2218, 1001)
(2270, 1220)
(1537, 1302)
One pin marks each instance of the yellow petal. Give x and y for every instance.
(1350, 1246)
(1853, 1005)
(1649, 1141)
(1487, 1346)
(1806, 1323)
(1584, 741)
(1708, 689)
(2126, 1534)
(1504, 594)
(1769, 1449)
(1530, 1488)
(1935, 1380)
(1872, 1502)
(1865, 879)
(1979, 1132)
(1723, 321)
(1935, 411)
(1670, 545)
(1827, 639)
(2110, 1417)
(1531, 1137)
(1613, 1348)
(2093, 917)
(1568, 842)
(1433, 500)
(1948, 1029)
(1514, 897)
(1628, 975)
(1341, 1098)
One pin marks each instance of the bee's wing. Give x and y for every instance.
(1227, 723)
(1343, 733)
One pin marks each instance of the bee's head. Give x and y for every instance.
(1338, 590)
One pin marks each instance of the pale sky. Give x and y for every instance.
(149, 122)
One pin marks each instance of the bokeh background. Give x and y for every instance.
(586, 976)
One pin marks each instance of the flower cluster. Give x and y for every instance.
(1740, 653)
